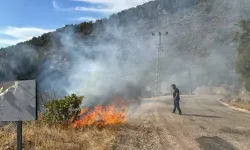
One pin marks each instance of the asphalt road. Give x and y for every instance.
(205, 124)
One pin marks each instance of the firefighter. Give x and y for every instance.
(176, 99)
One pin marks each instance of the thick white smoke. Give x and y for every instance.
(122, 58)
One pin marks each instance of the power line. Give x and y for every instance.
(140, 33)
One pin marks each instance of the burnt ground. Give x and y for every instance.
(205, 124)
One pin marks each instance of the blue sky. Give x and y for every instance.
(23, 19)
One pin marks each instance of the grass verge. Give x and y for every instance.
(40, 136)
(237, 102)
(243, 105)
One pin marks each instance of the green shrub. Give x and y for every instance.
(242, 37)
(247, 83)
(62, 110)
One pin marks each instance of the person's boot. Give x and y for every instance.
(180, 113)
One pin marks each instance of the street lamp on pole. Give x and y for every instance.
(157, 82)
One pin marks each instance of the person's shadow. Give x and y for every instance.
(194, 115)
(214, 143)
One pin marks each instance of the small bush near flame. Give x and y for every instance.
(62, 110)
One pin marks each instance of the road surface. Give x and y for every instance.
(205, 124)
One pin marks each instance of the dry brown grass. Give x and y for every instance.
(137, 138)
(237, 101)
(40, 136)
(244, 105)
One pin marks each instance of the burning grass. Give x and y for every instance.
(97, 128)
(115, 132)
(101, 116)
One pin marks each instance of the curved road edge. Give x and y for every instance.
(234, 107)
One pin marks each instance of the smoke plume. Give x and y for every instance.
(121, 59)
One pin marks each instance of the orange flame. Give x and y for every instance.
(102, 115)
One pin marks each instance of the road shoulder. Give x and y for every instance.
(234, 107)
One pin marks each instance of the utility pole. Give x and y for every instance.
(190, 79)
(157, 82)
(234, 73)
(234, 76)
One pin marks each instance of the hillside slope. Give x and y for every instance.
(89, 57)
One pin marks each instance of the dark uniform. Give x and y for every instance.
(176, 100)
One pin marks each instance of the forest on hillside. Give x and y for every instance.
(28, 58)
(200, 39)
